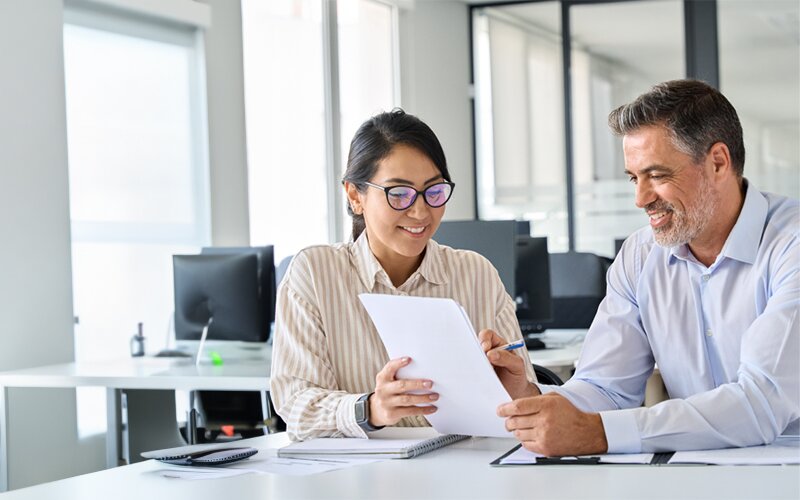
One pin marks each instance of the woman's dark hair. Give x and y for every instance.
(375, 140)
(696, 115)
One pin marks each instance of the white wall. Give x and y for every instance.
(435, 79)
(35, 277)
(230, 219)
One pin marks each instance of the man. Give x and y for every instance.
(710, 292)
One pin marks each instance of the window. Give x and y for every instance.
(520, 119)
(296, 104)
(607, 73)
(137, 173)
(759, 52)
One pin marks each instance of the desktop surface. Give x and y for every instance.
(432, 476)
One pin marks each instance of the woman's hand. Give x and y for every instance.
(392, 399)
(510, 368)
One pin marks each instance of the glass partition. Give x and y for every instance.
(519, 117)
(759, 57)
(619, 50)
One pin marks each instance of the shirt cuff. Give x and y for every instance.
(622, 433)
(346, 416)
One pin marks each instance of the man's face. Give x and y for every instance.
(674, 191)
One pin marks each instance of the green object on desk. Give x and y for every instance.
(216, 359)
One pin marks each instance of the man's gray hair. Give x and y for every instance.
(696, 115)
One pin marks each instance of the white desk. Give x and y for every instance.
(148, 384)
(459, 471)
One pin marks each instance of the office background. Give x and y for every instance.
(247, 148)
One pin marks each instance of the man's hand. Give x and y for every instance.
(510, 367)
(392, 401)
(552, 426)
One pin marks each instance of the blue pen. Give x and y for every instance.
(510, 346)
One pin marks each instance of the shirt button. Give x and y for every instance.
(708, 332)
(706, 277)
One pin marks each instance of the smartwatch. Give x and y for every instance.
(362, 413)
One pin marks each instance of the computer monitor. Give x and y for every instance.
(618, 245)
(494, 239)
(533, 297)
(523, 227)
(266, 273)
(222, 287)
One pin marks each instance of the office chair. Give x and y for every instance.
(546, 376)
(245, 413)
(280, 270)
(578, 285)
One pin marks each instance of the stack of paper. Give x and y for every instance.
(443, 346)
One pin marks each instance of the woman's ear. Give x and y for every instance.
(353, 198)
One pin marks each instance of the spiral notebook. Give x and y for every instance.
(391, 442)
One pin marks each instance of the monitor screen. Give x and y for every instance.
(523, 227)
(534, 301)
(266, 273)
(222, 287)
(494, 239)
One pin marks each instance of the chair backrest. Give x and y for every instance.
(546, 376)
(280, 271)
(578, 282)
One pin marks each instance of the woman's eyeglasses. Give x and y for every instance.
(402, 197)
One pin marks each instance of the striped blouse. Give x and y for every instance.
(326, 350)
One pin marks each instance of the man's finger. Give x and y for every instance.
(508, 360)
(489, 340)
(522, 406)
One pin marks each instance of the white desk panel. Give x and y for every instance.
(459, 471)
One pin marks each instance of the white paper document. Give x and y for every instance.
(443, 346)
(265, 465)
(785, 450)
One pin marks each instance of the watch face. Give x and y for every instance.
(360, 417)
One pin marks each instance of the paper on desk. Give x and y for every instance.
(443, 346)
(197, 473)
(521, 456)
(785, 450)
(265, 465)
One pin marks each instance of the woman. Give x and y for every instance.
(331, 375)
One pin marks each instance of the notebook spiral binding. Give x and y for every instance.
(434, 443)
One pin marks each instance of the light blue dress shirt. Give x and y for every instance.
(726, 338)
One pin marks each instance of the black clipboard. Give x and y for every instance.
(658, 459)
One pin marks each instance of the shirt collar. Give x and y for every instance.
(368, 268)
(745, 237)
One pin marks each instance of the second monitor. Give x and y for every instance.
(494, 239)
(532, 274)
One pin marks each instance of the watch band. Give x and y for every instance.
(362, 414)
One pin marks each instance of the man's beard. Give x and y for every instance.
(685, 226)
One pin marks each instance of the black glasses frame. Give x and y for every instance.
(386, 190)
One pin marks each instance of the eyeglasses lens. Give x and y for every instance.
(401, 197)
(438, 194)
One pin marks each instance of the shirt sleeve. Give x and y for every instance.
(752, 410)
(303, 385)
(616, 360)
(764, 399)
